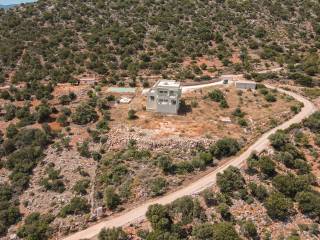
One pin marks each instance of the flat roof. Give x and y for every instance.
(168, 83)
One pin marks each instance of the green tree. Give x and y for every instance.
(81, 186)
(313, 122)
(157, 186)
(290, 185)
(230, 180)
(111, 198)
(43, 112)
(84, 114)
(258, 191)
(309, 203)
(267, 166)
(224, 211)
(165, 163)
(278, 206)
(112, 234)
(36, 226)
(11, 130)
(203, 231)
(225, 147)
(159, 217)
(279, 139)
(224, 231)
(216, 95)
(76, 206)
(10, 112)
(249, 230)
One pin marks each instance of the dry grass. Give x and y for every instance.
(204, 120)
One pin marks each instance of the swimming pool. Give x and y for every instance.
(121, 90)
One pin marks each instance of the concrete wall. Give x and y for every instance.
(246, 85)
(163, 103)
(168, 107)
(151, 104)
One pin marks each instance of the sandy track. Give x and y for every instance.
(138, 213)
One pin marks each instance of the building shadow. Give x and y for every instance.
(184, 108)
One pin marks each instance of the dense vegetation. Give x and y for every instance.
(57, 40)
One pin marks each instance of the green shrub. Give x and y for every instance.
(36, 226)
(278, 206)
(290, 185)
(83, 149)
(225, 147)
(203, 231)
(216, 95)
(258, 191)
(81, 186)
(157, 186)
(309, 203)
(224, 231)
(10, 112)
(270, 98)
(313, 122)
(238, 113)
(112, 234)
(183, 207)
(9, 210)
(224, 103)
(183, 167)
(76, 206)
(224, 211)
(267, 166)
(43, 112)
(111, 198)
(159, 217)
(132, 114)
(249, 229)
(164, 162)
(53, 180)
(279, 139)
(209, 198)
(242, 122)
(84, 114)
(230, 180)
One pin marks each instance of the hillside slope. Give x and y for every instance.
(131, 38)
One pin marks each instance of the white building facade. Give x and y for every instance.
(164, 97)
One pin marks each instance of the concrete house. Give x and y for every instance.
(244, 85)
(164, 97)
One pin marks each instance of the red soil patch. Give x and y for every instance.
(55, 126)
(210, 62)
(235, 58)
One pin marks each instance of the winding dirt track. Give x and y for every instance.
(138, 213)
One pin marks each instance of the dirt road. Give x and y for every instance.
(138, 213)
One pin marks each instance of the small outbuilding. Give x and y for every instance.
(244, 85)
(87, 79)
